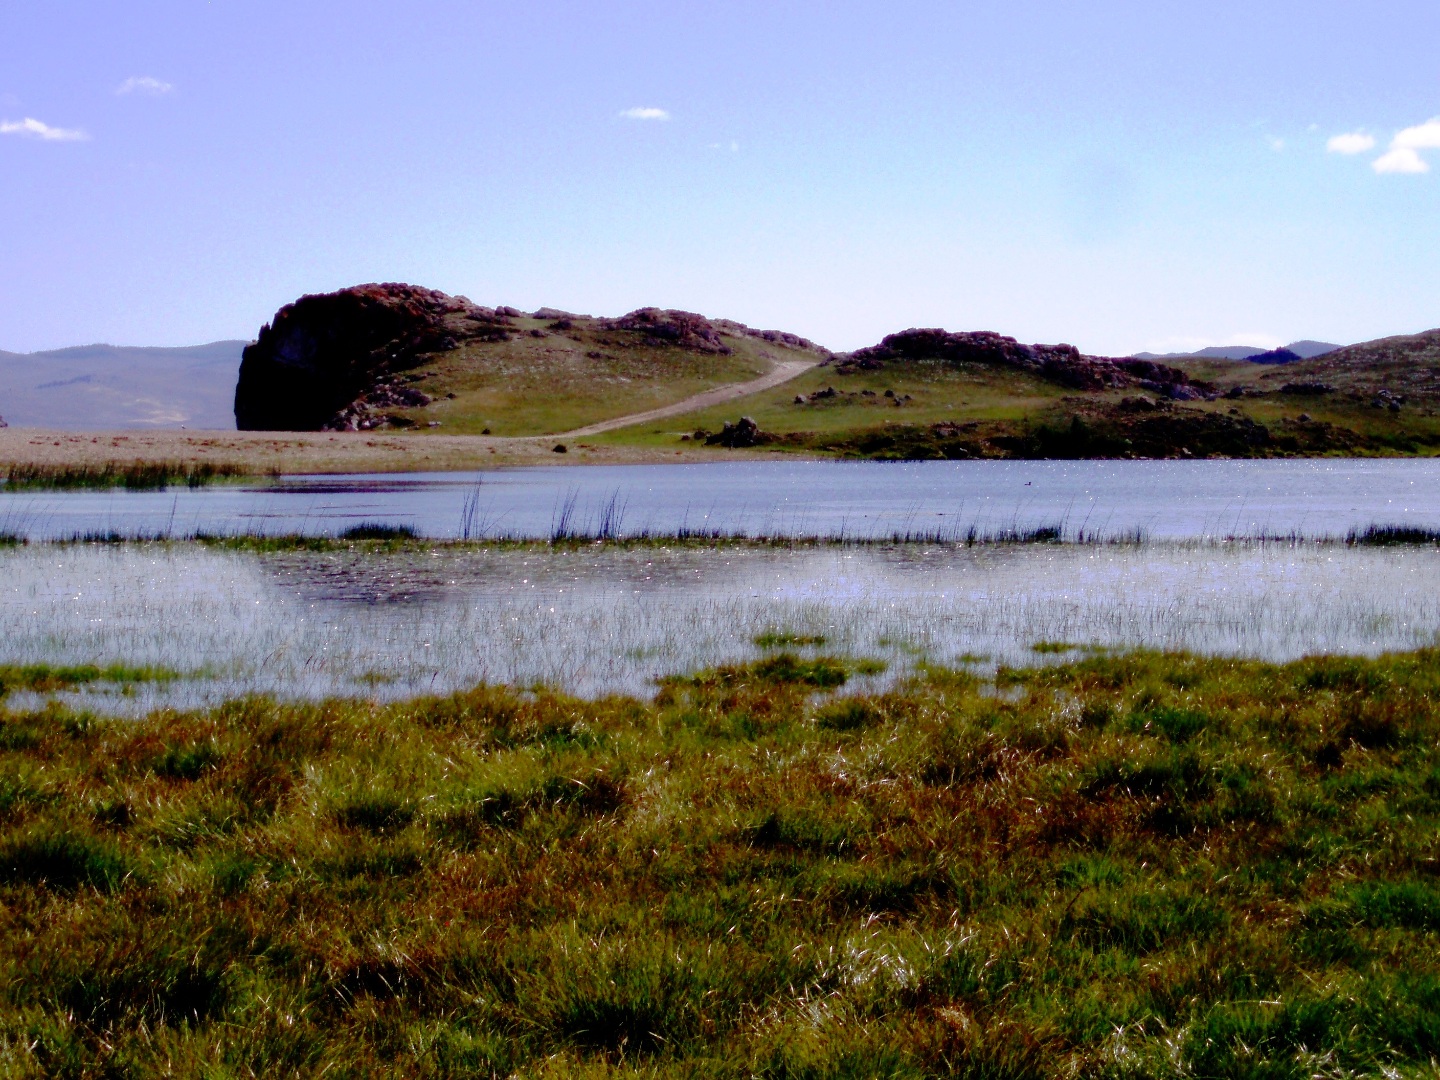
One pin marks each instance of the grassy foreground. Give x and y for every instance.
(1124, 866)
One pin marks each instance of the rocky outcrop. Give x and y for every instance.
(1062, 364)
(331, 361)
(337, 361)
(682, 328)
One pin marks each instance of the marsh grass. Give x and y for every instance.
(135, 476)
(1144, 865)
(1392, 535)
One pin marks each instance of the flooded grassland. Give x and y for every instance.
(389, 622)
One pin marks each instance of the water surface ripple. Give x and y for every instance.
(834, 499)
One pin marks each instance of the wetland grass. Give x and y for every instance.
(1139, 865)
(135, 476)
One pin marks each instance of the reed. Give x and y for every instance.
(135, 476)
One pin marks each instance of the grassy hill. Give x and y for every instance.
(1376, 398)
(560, 373)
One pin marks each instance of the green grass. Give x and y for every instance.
(935, 394)
(1127, 866)
(919, 409)
(573, 377)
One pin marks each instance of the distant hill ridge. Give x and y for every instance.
(97, 387)
(1305, 349)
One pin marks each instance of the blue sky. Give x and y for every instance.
(1121, 176)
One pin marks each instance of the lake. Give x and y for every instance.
(1160, 500)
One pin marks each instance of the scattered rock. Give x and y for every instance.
(800, 399)
(1307, 389)
(559, 448)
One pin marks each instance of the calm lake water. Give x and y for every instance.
(598, 619)
(1101, 499)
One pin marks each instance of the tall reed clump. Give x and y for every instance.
(1128, 866)
(136, 476)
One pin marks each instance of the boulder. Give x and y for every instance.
(744, 432)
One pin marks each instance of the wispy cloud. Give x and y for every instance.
(30, 128)
(144, 84)
(648, 112)
(1352, 142)
(1404, 153)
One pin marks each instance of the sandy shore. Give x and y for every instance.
(326, 452)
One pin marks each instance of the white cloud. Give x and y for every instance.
(31, 128)
(1424, 136)
(1352, 142)
(645, 113)
(144, 84)
(1400, 159)
(1277, 144)
(1404, 153)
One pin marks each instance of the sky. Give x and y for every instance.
(1121, 176)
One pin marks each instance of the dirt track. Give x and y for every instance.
(783, 372)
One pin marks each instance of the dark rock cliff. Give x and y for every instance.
(327, 360)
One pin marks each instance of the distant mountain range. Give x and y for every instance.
(99, 387)
(1300, 350)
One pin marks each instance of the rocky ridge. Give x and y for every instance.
(1061, 364)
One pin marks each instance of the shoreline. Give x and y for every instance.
(322, 452)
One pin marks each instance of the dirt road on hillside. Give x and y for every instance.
(783, 372)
